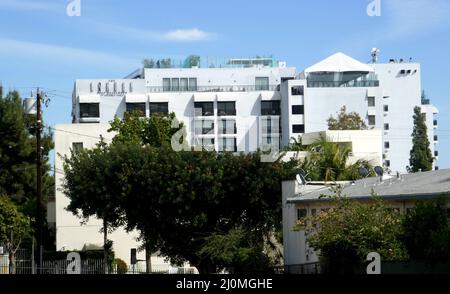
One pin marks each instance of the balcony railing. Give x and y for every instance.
(232, 88)
(340, 84)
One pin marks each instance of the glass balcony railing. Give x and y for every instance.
(233, 88)
(341, 84)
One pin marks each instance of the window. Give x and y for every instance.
(386, 145)
(271, 126)
(183, 84)
(159, 108)
(297, 129)
(262, 84)
(123, 87)
(91, 89)
(298, 109)
(227, 144)
(115, 87)
(204, 127)
(192, 84)
(140, 107)
(297, 90)
(386, 108)
(371, 120)
(99, 87)
(175, 84)
(166, 85)
(387, 163)
(107, 87)
(270, 107)
(301, 213)
(226, 108)
(371, 101)
(436, 153)
(131, 88)
(77, 146)
(207, 144)
(204, 108)
(386, 127)
(89, 110)
(227, 126)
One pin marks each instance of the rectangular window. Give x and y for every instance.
(436, 153)
(270, 108)
(77, 146)
(271, 126)
(386, 145)
(226, 108)
(192, 84)
(297, 90)
(140, 107)
(371, 101)
(298, 129)
(387, 163)
(301, 213)
(204, 127)
(159, 108)
(262, 84)
(204, 108)
(166, 85)
(227, 144)
(386, 108)
(298, 109)
(371, 120)
(227, 126)
(89, 110)
(183, 84)
(175, 84)
(386, 127)
(208, 144)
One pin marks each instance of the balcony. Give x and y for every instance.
(340, 84)
(222, 88)
(342, 80)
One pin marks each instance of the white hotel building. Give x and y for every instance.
(242, 106)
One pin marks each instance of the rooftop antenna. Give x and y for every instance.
(374, 54)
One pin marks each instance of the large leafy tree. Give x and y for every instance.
(346, 121)
(18, 155)
(348, 231)
(15, 227)
(421, 158)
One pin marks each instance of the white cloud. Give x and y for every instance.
(63, 54)
(411, 17)
(27, 5)
(187, 35)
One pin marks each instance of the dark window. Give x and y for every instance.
(175, 84)
(298, 109)
(270, 107)
(435, 123)
(77, 146)
(386, 145)
(192, 84)
(301, 213)
(159, 107)
(371, 120)
(183, 84)
(297, 90)
(386, 108)
(136, 107)
(386, 127)
(166, 85)
(226, 108)
(297, 129)
(204, 108)
(387, 163)
(436, 153)
(262, 84)
(89, 110)
(371, 101)
(435, 137)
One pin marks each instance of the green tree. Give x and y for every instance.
(148, 63)
(348, 231)
(426, 231)
(191, 61)
(18, 156)
(420, 158)
(15, 227)
(346, 121)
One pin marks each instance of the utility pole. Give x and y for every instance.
(39, 178)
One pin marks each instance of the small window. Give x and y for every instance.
(107, 87)
(270, 107)
(123, 87)
(301, 213)
(387, 163)
(204, 108)
(99, 87)
(386, 108)
(131, 87)
(386, 127)
(298, 109)
(192, 84)
(371, 101)
(183, 84)
(226, 108)
(140, 107)
(166, 85)
(89, 110)
(298, 129)
(159, 108)
(386, 145)
(175, 84)
(436, 153)
(204, 127)
(297, 90)
(91, 89)
(115, 87)
(371, 120)
(262, 84)
(435, 138)
(77, 146)
(228, 145)
(227, 126)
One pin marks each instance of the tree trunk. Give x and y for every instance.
(12, 262)
(148, 260)
(105, 250)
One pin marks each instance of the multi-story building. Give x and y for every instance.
(249, 104)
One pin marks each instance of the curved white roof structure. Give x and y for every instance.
(339, 62)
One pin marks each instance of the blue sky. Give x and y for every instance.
(40, 45)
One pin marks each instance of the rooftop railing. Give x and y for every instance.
(340, 84)
(231, 88)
